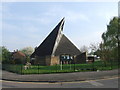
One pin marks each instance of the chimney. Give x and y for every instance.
(17, 50)
(14, 50)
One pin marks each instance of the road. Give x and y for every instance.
(101, 83)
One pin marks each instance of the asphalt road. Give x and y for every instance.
(101, 83)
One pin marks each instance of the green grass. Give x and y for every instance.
(37, 69)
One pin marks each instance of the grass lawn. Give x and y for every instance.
(37, 69)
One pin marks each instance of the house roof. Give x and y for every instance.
(18, 54)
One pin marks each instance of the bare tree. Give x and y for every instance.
(84, 49)
(94, 47)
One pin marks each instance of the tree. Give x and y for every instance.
(27, 51)
(6, 55)
(84, 49)
(110, 41)
(94, 48)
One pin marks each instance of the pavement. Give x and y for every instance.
(59, 77)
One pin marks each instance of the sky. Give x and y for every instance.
(28, 23)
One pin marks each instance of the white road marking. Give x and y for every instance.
(95, 83)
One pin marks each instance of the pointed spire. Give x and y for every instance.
(59, 36)
(47, 46)
(60, 24)
(63, 21)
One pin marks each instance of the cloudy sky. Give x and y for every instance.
(28, 23)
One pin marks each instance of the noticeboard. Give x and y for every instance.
(66, 57)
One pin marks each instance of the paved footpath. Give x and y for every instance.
(76, 76)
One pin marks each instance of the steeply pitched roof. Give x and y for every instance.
(56, 43)
(65, 46)
(46, 47)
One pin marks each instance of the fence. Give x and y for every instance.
(37, 69)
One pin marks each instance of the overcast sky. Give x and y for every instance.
(28, 23)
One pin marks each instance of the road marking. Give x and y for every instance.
(58, 82)
(28, 82)
(95, 83)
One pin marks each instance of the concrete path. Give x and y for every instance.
(76, 76)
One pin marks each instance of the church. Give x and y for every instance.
(57, 49)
